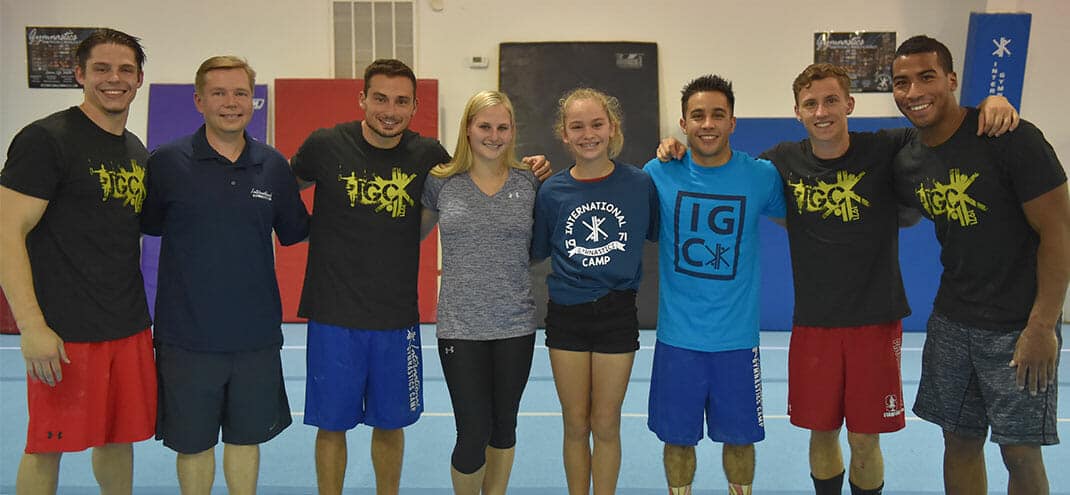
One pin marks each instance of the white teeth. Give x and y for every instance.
(915, 108)
(823, 125)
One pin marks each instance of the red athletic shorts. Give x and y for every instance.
(107, 395)
(848, 372)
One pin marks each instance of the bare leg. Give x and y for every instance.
(964, 465)
(331, 458)
(867, 463)
(467, 484)
(196, 472)
(572, 377)
(679, 468)
(738, 462)
(113, 467)
(241, 468)
(38, 474)
(609, 383)
(388, 448)
(826, 459)
(499, 466)
(1025, 465)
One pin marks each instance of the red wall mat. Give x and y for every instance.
(304, 105)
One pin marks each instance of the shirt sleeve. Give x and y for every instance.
(304, 163)
(1030, 161)
(432, 187)
(541, 230)
(775, 207)
(655, 212)
(153, 208)
(291, 221)
(34, 165)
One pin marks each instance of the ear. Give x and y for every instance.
(361, 99)
(797, 116)
(732, 128)
(683, 125)
(140, 78)
(850, 104)
(79, 74)
(954, 78)
(198, 102)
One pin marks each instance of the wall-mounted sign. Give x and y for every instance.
(867, 57)
(50, 57)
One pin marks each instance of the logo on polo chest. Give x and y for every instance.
(837, 199)
(384, 194)
(951, 200)
(122, 183)
(593, 231)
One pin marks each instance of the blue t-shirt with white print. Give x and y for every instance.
(708, 253)
(593, 232)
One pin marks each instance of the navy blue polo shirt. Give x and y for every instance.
(217, 290)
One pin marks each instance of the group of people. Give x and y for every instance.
(78, 189)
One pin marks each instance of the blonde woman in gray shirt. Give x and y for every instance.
(483, 202)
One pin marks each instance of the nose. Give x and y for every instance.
(821, 110)
(912, 90)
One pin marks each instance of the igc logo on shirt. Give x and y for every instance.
(709, 228)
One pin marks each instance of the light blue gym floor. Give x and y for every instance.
(912, 456)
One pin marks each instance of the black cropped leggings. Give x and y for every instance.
(486, 379)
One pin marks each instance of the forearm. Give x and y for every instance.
(1053, 274)
(16, 279)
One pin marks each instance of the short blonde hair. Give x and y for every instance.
(462, 154)
(609, 103)
(221, 62)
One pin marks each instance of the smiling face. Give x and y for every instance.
(708, 123)
(226, 100)
(823, 107)
(110, 80)
(389, 104)
(923, 90)
(490, 132)
(587, 130)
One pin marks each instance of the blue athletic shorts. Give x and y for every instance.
(357, 376)
(725, 386)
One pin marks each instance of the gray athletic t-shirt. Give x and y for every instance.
(485, 292)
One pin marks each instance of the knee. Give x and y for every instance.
(577, 426)
(503, 436)
(958, 446)
(606, 427)
(1021, 458)
(863, 444)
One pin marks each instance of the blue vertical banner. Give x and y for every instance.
(996, 47)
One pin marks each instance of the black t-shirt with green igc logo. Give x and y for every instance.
(85, 251)
(364, 239)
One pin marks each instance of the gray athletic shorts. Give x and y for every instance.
(966, 386)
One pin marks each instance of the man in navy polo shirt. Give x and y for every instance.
(215, 197)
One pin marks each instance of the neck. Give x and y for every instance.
(592, 169)
(488, 168)
(373, 138)
(112, 123)
(712, 161)
(942, 131)
(228, 144)
(828, 150)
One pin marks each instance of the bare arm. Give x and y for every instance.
(41, 347)
(1037, 349)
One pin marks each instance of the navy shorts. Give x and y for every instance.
(200, 393)
(725, 386)
(374, 377)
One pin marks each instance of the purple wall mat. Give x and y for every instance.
(172, 115)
